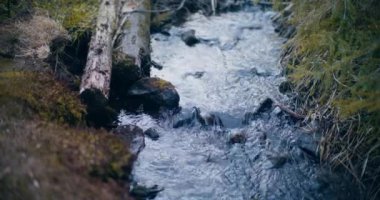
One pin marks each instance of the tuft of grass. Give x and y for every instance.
(335, 66)
(36, 34)
(75, 16)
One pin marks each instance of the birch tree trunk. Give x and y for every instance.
(97, 73)
(133, 46)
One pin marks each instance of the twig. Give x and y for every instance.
(290, 112)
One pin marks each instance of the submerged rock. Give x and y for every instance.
(142, 192)
(152, 133)
(154, 94)
(240, 138)
(189, 38)
(277, 161)
(264, 107)
(196, 75)
(133, 135)
(208, 120)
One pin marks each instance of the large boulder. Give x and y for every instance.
(154, 94)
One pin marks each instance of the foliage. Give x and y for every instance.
(75, 15)
(335, 66)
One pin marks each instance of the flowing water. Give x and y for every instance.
(234, 69)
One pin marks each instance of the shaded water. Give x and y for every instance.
(238, 68)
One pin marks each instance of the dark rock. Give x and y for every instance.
(256, 72)
(99, 113)
(252, 27)
(184, 122)
(285, 87)
(209, 120)
(133, 135)
(123, 76)
(264, 107)
(142, 192)
(189, 38)
(152, 133)
(154, 94)
(277, 160)
(240, 138)
(156, 65)
(312, 155)
(196, 75)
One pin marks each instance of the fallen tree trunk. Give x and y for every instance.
(97, 73)
(133, 39)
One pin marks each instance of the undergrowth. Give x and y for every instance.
(75, 16)
(334, 65)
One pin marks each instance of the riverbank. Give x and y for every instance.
(48, 151)
(331, 61)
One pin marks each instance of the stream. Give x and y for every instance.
(233, 70)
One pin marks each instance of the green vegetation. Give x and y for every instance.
(75, 16)
(334, 64)
(42, 94)
(46, 150)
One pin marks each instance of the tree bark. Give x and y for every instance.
(133, 43)
(97, 73)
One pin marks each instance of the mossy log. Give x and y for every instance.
(97, 74)
(133, 41)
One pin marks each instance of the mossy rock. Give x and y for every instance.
(154, 94)
(39, 92)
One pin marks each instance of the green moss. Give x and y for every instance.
(41, 93)
(161, 84)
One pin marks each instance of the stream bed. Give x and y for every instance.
(233, 70)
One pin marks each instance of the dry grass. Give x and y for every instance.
(36, 35)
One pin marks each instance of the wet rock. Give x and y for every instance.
(209, 120)
(310, 154)
(196, 75)
(184, 122)
(133, 135)
(142, 192)
(264, 107)
(276, 111)
(285, 87)
(240, 138)
(252, 27)
(277, 161)
(154, 94)
(206, 121)
(152, 133)
(261, 73)
(156, 65)
(189, 38)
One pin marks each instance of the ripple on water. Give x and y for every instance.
(191, 163)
